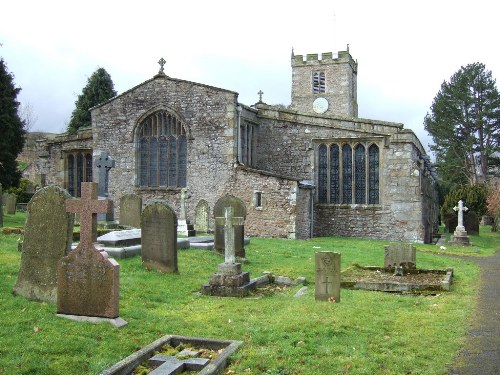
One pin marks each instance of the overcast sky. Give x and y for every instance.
(405, 49)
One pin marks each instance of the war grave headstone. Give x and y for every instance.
(159, 238)
(327, 283)
(1, 206)
(87, 279)
(48, 234)
(400, 255)
(10, 203)
(460, 236)
(130, 210)
(239, 215)
(104, 163)
(471, 223)
(202, 215)
(184, 226)
(229, 280)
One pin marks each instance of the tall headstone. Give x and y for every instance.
(10, 203)
(240, 213)
(229, 280)
(130, 210)
(202, 215)
(460, 236)
(159, 238)
(87, 280)
(47, 238)
(400, 255)
(471, 223)
(184, 228)
(1, 207)
(327, 276)
(104, 163)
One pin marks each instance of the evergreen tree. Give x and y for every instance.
(99, 88)
(465, 126)
(12, 133)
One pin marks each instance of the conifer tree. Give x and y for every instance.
(12, 132)
(99, 88)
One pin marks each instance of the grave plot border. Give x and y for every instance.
(127, 365)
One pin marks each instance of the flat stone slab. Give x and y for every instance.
(118, 238)
(384, 280)
(173, 365)
(117, 322)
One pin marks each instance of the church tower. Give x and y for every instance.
(325, 86)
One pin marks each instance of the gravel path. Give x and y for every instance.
(481, 353)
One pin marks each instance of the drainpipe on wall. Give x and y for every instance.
(239, 108)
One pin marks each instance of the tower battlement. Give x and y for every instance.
(326, 58)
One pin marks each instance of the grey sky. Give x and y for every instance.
(405, 50)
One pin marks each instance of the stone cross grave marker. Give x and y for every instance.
(87, 280)
(239, 213)
(47, 239)
(104, 162)
(400, 255)
(10, 203)
(460, 209)
(130, 210)
(168, 365)
(230, 253)
(327, 276)
(159, 238)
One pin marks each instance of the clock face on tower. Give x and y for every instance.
(320, 105)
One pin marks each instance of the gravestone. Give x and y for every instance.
(400, 255)
(1, 206)
(229, 280)
(450, 222)
(10, 203)
(327, 276)
(184, 227)
(471, 223)
(460, 236)
(240, 213)
(159, 238)
(130, 210)
(104, 163)
(87, 280)
(47, 238)
(202, 215)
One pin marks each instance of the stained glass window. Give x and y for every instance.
(162, 151)
(346, 174)
(373, 175)
(360, 175)
(79, 173)
(334, 174)
(322, 174)
(88, 167)
(71, 175)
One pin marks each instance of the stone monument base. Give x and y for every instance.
(460, 237)
(185, 228)
(117, 322)
(229, 281)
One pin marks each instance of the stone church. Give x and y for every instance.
(311, 169)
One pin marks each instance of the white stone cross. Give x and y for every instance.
(184, 196)
(230, 252)
(461, 208)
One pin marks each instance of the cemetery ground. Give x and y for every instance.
(367, 333)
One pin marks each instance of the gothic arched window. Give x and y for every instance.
(162, 153)
(373, 179)
(359, 175)
(78, 170)
(346, 174)
(322, 174)
(318, 82)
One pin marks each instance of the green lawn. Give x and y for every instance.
(367, 333)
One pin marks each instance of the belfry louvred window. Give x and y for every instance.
(348, 174)
(162, 146)
(318, 82)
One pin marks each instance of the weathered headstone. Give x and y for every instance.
(240, 213)
(104, 163)
(10, 203)
(184, 227)
(1, 206)
(87, 280)
(327, 276)
(202, 215)
(400, 255)
(471, 223)
(48, 235)
(159, 238)
(130, 210)
(450, 222)
(229, 280)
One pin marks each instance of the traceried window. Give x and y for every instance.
(78, 170)
(318, 82)
(162, 146)
(248, 143)
(348, 175)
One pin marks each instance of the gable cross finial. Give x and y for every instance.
(260, 93)
(162, 63)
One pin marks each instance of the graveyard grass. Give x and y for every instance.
(366, 333)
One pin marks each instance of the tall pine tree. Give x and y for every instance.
(465, 125)
(12, 133)
(99, 88)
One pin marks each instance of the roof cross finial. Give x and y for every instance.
(162, 63)
(260, 93)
